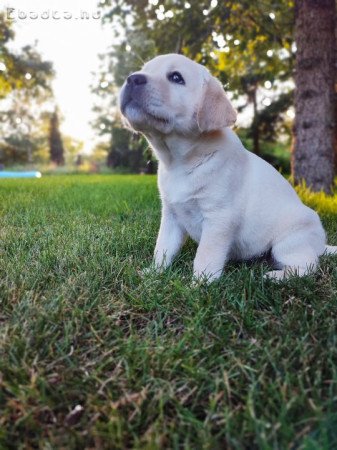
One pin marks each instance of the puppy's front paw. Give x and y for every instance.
(153, 269)
(203, 279)
(146, 271)
(275, 275)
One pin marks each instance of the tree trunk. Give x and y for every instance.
(55, 141)
(313, 156)
(335, 145)
(256, 125)
(335, 98)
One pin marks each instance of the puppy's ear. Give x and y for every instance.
(215, 111)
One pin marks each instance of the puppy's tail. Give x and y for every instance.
(330, 250)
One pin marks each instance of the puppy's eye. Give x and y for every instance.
(176, 77)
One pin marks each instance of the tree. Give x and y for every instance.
(313, 153)
(24, 127)
(25, 89)
(55, 141)
(21, 70)
(72, 148)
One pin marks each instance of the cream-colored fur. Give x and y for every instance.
(232, 203)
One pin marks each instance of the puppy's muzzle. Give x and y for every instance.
(133, 89)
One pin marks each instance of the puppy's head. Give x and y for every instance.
(174, 94)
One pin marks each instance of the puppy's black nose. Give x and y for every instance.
(136, 79)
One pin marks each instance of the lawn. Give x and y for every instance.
(95, 356)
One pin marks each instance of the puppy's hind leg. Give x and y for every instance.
(330, 250)
(294, 255)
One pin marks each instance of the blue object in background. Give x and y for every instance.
(4, 174)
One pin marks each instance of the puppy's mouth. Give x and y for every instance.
(147, 115)
(159, 119)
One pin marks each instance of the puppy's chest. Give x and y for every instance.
(184, 198)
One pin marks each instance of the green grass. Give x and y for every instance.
(154, 362)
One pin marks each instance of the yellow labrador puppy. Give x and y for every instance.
(234, 204)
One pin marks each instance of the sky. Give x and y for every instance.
(73, 45)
